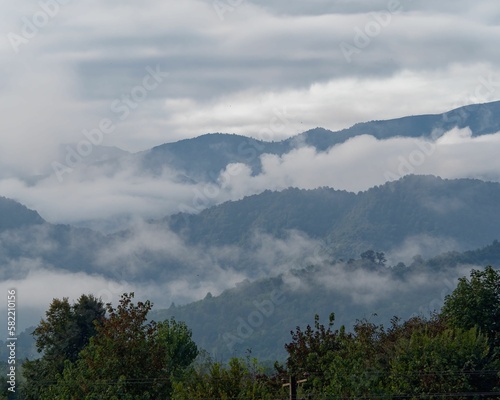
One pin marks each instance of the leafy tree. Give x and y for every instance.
(446, 363)
(374, 257)
(380, 258)
(476, 302)
(66, 330)
(312, 349)
(128, 358)
(357, 368)
(369, 255)
(419, 357)
(240, 379)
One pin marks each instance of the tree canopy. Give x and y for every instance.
(117, 353)
(476, 302)
(125, 357)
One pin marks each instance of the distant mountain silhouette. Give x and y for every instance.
(259, 315)
(204, 157)
(15, 215)
(465, 211)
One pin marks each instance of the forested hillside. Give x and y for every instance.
(115, 352)
(463, 211)
(422, 215)
(251, 316)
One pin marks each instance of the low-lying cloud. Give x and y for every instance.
(116, 192)
(364, 161)
(414, 291)
(131, 264)
(423, 245)
(161, 266)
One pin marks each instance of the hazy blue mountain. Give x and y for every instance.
(465, 211)
(462, 214)
(24, 234)
(314, 212)
(203, 157)
(15, 215)
(99, 153)
(482, 119)
(260, 315)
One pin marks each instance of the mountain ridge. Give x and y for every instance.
(15, 215)
(226, 325)
(463, 213)
(348, 216)
(205, 156)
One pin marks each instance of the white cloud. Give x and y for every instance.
(424, 245)
(35, 291)
(116, 193)
(187, 272)
(229, 75)
(364, 162)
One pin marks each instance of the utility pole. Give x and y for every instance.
(293, 383)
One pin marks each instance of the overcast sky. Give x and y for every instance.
(151, 72)
(66, 65)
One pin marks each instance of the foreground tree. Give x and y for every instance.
(449, 354)
(451, 362)
(240, 379)
(128, 358)
(64, 332)
(476, 302)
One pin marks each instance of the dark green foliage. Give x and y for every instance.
(417, 358)
(127, 358)
(383, 218)
(66, 330)
(476, 303)
(239, 379)
(443, 363)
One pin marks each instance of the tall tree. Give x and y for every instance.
(240, 379)
(476, 302)
(313, 348)
(64, 332)
(450, 362)
(129, 358)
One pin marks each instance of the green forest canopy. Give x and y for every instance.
(96, 351)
